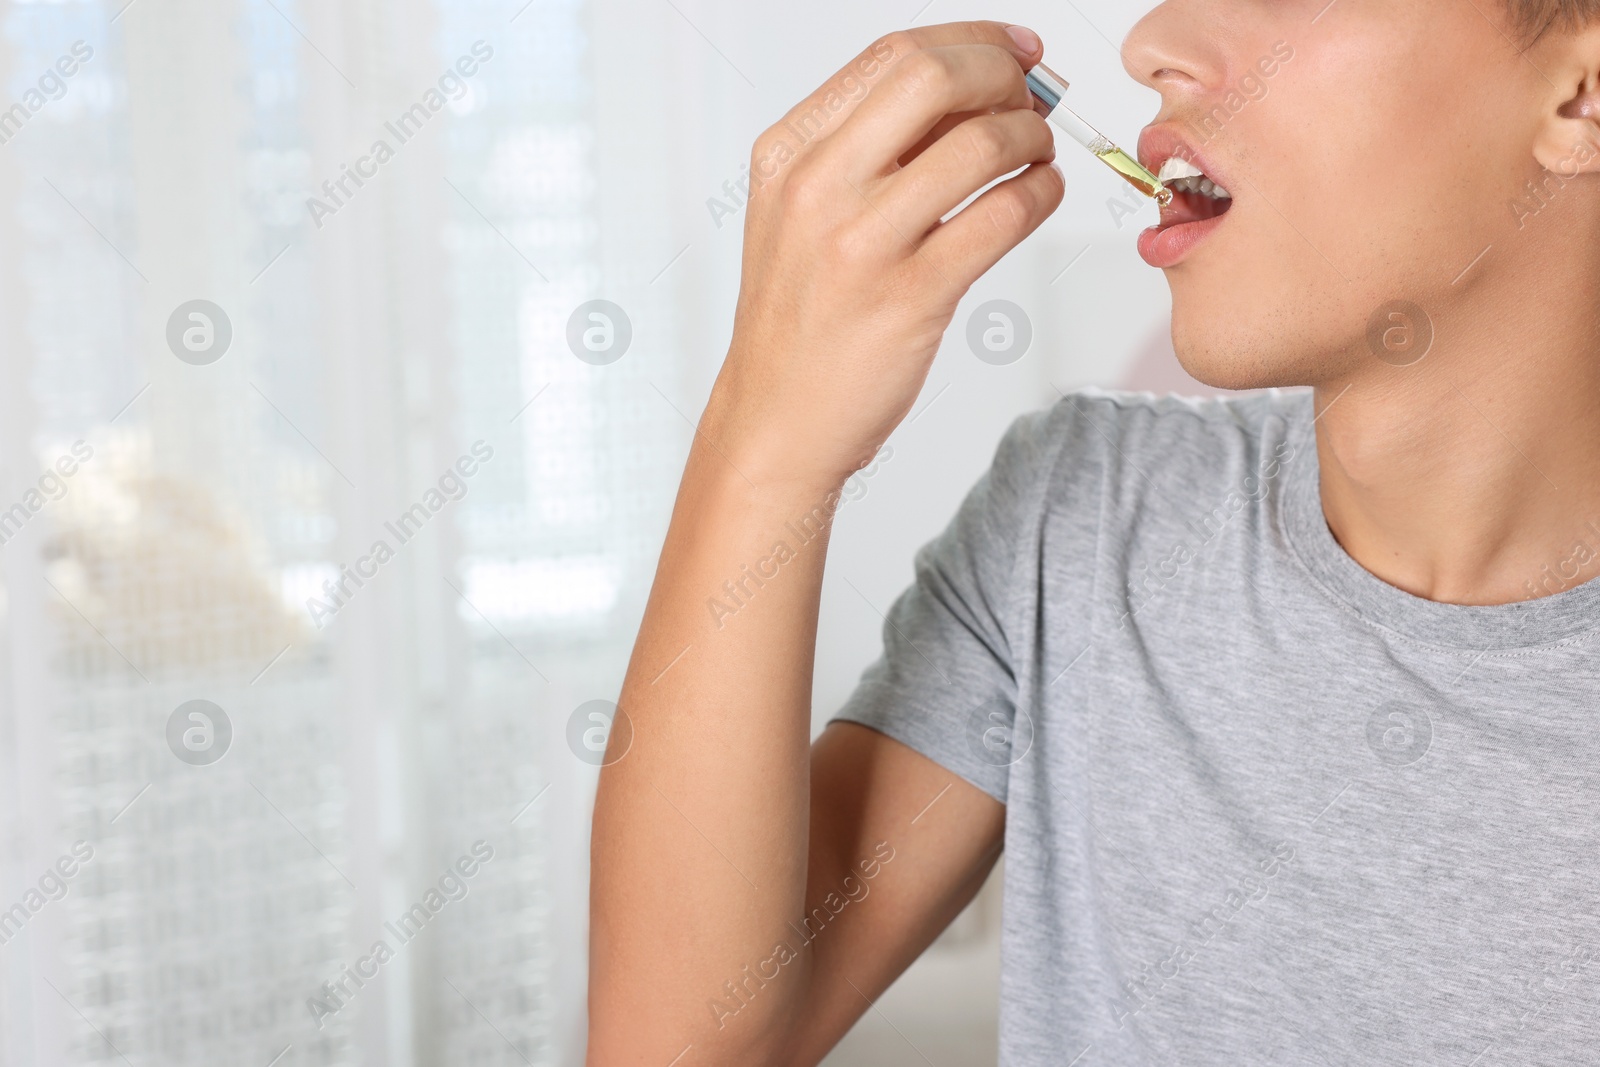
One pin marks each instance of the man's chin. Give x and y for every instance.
(1230, 370)
(1238, 363)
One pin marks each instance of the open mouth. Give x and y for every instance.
(1198, 204)
(1195, 197)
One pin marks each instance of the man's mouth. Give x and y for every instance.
(1199, 198)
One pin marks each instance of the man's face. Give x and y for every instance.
(1372, 150)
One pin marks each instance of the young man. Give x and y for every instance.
(1282, 707)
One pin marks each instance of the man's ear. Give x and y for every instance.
(1569, 140)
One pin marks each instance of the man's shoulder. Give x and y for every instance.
(1141, 417)
(1092, 423)
(1130, 450)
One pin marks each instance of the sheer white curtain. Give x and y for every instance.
(392, 724)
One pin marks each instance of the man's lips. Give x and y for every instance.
(1192, 216)
(1167, 244)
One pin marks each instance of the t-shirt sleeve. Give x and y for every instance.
(945, 684)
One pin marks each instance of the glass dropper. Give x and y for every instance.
(1048, 88)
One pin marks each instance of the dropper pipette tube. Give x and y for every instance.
(1048, 88)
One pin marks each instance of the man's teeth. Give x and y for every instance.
(1204, 186)
(1184, 176)
(1175, 168)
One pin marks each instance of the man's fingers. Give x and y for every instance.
(960, 163)
(917, 94)
(940, 128)
(821, 114)
(992, 225)
(950, 122)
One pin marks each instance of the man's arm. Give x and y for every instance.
(720, 833)
(721, 827)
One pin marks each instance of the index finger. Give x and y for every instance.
(820, 115)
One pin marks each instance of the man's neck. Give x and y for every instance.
(1473, 476)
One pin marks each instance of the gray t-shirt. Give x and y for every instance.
(1261, 806)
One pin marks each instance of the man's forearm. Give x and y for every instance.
(700, 830)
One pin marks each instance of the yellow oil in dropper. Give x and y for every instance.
(1048, 88)
(1135, 174)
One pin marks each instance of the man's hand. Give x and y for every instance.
(850, 277)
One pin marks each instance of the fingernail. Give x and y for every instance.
(1027, 41)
